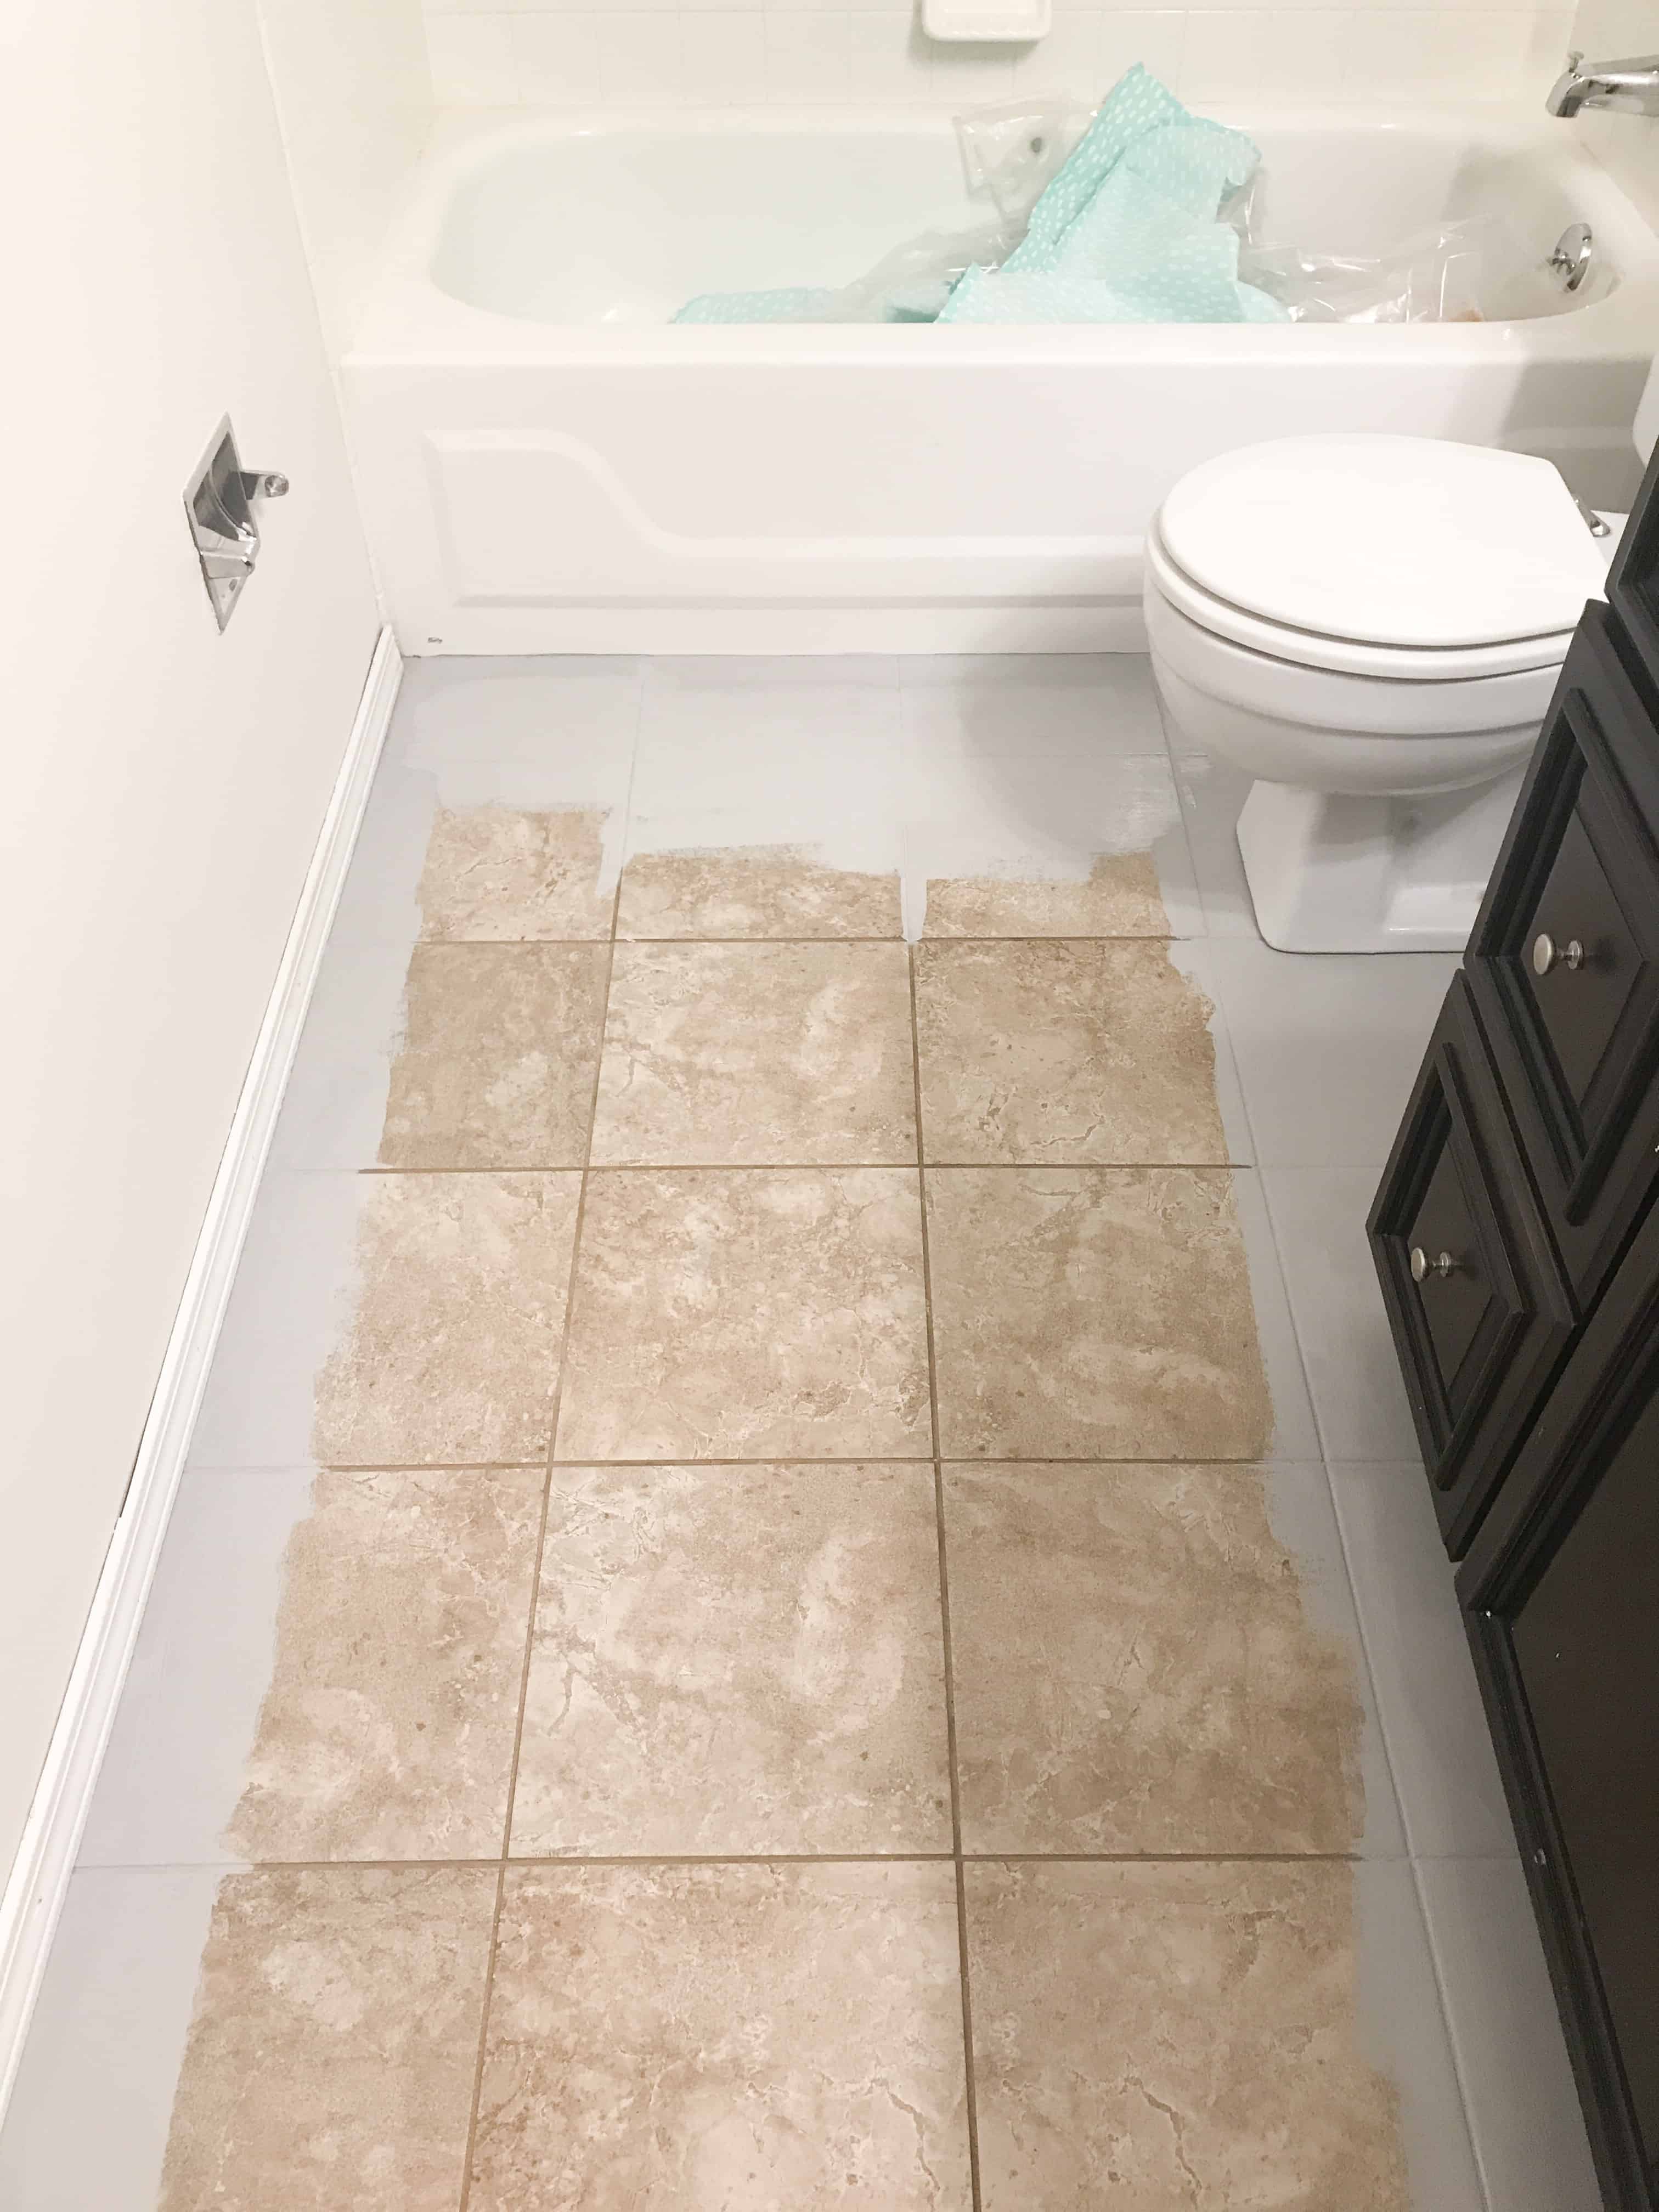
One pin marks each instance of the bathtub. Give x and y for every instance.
(547, 465)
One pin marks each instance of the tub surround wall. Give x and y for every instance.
(750, 53)
(1628, 145)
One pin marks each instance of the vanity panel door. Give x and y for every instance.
(1564, 960)
(1561, 1593)
(1481, 1310)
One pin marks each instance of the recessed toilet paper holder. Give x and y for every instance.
(221, 501)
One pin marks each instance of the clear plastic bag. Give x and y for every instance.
(1009, 153)
(1468, 271)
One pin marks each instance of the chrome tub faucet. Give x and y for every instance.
(1632, 87)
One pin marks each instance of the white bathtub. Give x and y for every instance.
(548, 465)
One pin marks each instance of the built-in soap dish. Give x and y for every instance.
(1007, 22)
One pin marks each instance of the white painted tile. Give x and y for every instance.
(1286, 53)
(640, 59)
(177, 1764)
(887, 56)
(1319, 1217)
(334, 1108)
(780, 748)
(1523, 2108)
(1295, 1437)
(291, 1302)
(807, 56)
(568, 724)
(971, 75)
(558, 62)
(1156, 37)
(723, 57)
(1211, 794)
(1300, 1515)
(1403, 2030)
(1022, 704)
(1067, 61)
(113, 2016)
(1194, 958)
(1433, 1719)
(1329, 1046)
(472, 60)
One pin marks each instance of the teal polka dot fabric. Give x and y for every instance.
(1127, 231)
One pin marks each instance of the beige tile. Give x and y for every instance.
(452, 1353)
(707, 2038)
(497, 872)
(1135, 1668)
(753, 891)
(1161, 2035)
(766, 1313)
(736, 1660)
(1119, 898)
(500, 1051)
(1093, 1313)
(1060, 1052)
(748, 1054)
(387, 1730)
(331, 2056)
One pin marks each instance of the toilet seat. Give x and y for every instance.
(1308, 648)
(1414, 559)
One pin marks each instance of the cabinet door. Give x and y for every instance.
(1564, 960)
(1481, 1310)
(1560, 1595)
(1633, 577)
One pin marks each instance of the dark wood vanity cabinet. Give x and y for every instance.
(1516, 1240)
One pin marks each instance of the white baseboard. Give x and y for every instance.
(35, 1893)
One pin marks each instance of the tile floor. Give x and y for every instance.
(803, 1580)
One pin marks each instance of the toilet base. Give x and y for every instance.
(1332, 873)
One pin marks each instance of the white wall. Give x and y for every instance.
(724, 52)
(353, 100)
(1628, 145)
(160, 785)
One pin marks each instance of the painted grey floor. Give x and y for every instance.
(935, 768)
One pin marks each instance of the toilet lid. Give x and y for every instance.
(1410, 543)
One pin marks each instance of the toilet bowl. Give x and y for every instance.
(1371, 628)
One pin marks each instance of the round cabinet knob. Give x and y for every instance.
(1547, 955)
(1443, 1264)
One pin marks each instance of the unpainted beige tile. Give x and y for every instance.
(330, 2057)
(736, 1660)
(499, 872)
(1093, 1313)
(750, 1054)
(1064, 1051)
(1135, 1668)
(500, 1052)
(452, 1353)
(1119, 898)
(1167, 2035)
(748, 1313)
(387, 1730)
(753, 891)
(676, 2038)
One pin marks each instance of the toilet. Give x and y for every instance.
(1371, 627)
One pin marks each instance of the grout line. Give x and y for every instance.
(831, 1167)
(536, 1575)
(483, 2038)
(953, 1766)
(546, 1859)
(986, 1461)
(940, 941)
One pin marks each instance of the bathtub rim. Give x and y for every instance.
(405, 319)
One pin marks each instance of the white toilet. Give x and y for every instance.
(1372, 628)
